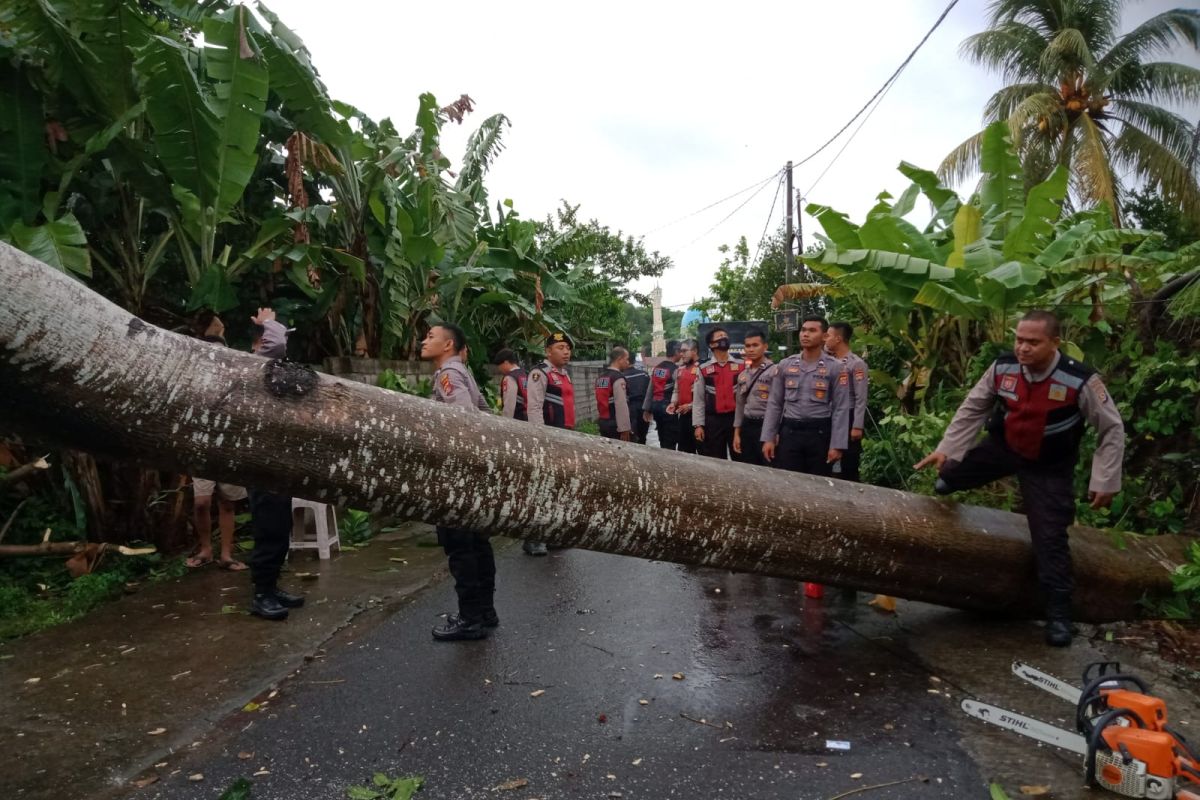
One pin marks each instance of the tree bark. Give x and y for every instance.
(79, 368)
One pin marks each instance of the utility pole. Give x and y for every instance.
(789, 257)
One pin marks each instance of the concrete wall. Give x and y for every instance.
(367, 370)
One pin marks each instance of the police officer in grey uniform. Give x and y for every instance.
(837, 344)
(806, 425)
(752, 391)
(470, 554)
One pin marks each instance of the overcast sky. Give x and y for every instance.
(643, 112)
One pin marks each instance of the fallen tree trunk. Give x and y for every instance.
(76, 367)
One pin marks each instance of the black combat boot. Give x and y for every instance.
(287, 599)
(458, 629)
(491, 619)
(1058, 619)
(266, 605)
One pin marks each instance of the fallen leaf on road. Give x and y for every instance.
(678, 676)
(196, 777)
(399, 560)
(537, 693)
(142, 783)
(32, 680)
(245, 755)
(156, 732)
(262, 772)
(643, 702)
(856, 775)
(637, 761)
(306, 575)
(251, 707)
(603, 718)
(515, 783)
(884, 603)
(822, 764)
(658, 676)
(1035, 790)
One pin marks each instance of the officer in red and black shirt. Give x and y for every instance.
(1035, 402)
(714, 400)
(514, 386)
(654, 407)
(551, 398)
(681, 399)
(612, 399)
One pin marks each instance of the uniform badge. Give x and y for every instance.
(535, 376)
(1103, 395)
(447, 389)
(843, 379)
(1008, 383)
(764, 395)
(1058, 392)
(764, 387)
(819, 394)
(602, 383)
(793, 370)
(821, 370)
(660, 373)
(709, 370)
(791, 383)
(859, 375)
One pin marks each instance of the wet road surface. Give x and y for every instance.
(767, 680)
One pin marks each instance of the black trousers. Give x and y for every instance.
(667, 426)
(851, 458)
(640, 426)
(804, 447)
(271, 517)
(1048, 492)
(687, 433)
(608, 429)
(718, 436)
(751, 446)
(473, 567)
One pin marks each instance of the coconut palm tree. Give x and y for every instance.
(1080, 94)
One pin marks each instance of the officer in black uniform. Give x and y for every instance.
(658, 398)
(637, 385)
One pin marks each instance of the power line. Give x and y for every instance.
(883, 88)
(710, 205)
(724, 219)
(848, 141)
(770, 216)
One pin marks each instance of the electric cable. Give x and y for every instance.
(770, 216)
(724, 219)
(713, 204)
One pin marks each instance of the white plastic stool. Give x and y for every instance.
(324, 522)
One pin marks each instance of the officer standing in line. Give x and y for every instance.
(637, 386)
(837, 344)
(681, 399)
(1035, 401)
(808, 408)
(612, 403)
(551, 397)
(662, 386)
(469, 553)
(713, 400)
(753, 390)
(514, 386)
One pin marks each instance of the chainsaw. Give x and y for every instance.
(1121, 730)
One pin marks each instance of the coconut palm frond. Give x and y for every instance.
(1066, 53)
(1014, 50)
(963, 161)
(1040, 112)
(1001, 104)
(1094, 167)
(1168, 128)
(1158, 167)
(1157, 82)
(1159, 34)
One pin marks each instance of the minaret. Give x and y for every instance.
(660, 342)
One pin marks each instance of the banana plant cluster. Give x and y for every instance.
(191, 144)
(938, 293)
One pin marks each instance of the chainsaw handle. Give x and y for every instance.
(1091, 693)
(1095, 738)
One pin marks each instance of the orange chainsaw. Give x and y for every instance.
(1121, 730)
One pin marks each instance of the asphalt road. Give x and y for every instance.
(767, 680)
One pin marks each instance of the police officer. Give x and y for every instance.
(808, 407)
(681, 399)
(662, 386)
(713, 400)
(837, 344)
(637, 386)
(470, 554)
(753, 390)
(551, 397)
(1035, 401)
(612, 403)
(514, 386)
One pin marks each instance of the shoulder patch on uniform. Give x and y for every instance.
(843, 379)
(447, 387)
(535, 375)
(859, 375)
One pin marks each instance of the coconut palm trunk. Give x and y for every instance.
(78, 369)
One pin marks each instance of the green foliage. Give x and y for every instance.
(399, 383)
(241, 789)
(1186, 582)
(354, 528)
(385, 788)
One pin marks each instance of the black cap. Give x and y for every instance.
(559, 336)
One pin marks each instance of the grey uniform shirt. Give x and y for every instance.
(508, 389)
(273, 343)
(810, 390)
(700, 388)
(859, 383)
(752, 391)
(453, 384)
(1095, 404)
(621, 403)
